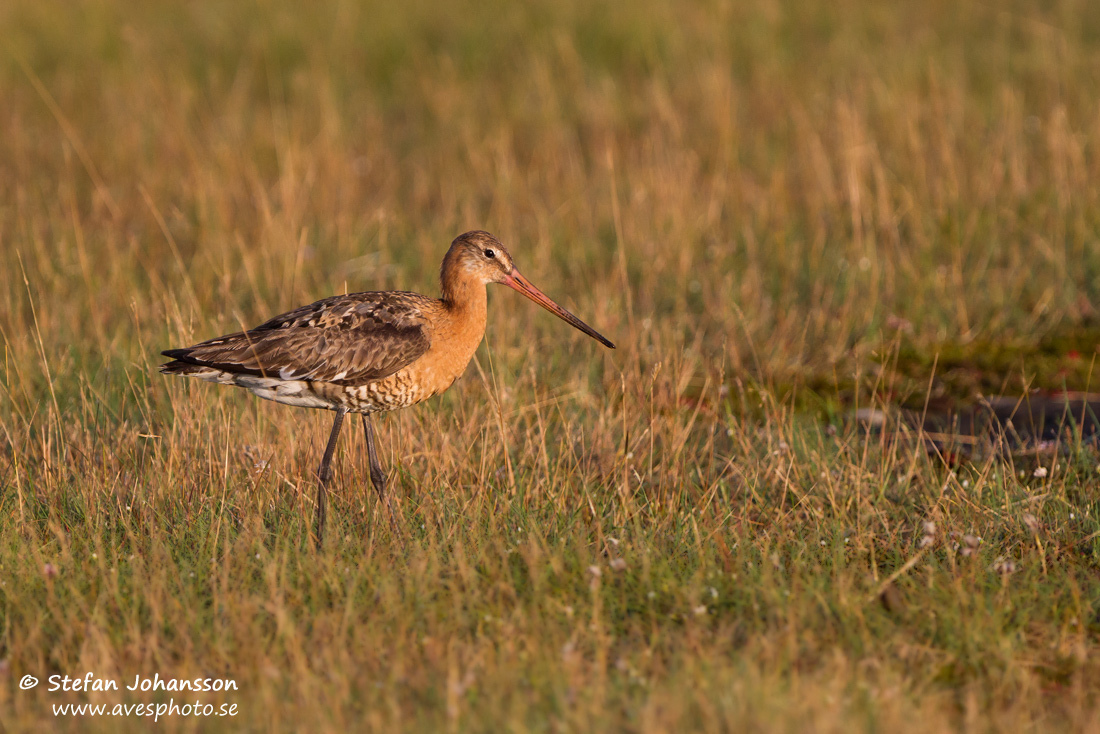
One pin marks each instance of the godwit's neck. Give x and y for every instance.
(461, 292)
(463, 323)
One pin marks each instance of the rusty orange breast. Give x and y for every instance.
(457, 330)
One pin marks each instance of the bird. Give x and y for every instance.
(368, 352)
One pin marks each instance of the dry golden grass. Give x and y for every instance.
(750, 201)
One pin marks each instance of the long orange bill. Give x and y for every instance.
(517, 282)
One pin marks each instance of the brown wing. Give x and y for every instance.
(344, 339)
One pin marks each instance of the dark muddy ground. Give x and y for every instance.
(983, 397)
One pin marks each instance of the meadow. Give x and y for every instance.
(782, 212)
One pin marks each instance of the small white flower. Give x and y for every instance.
(1039, 472)
(700, 610)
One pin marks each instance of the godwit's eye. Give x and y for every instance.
(490, 253)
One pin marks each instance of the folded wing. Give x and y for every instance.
(345, 340)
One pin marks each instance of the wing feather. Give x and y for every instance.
(344, 340)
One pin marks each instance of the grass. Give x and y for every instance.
(765, 206)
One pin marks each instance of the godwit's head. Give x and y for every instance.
(479, 257)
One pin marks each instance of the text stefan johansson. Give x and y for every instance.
(90, 683)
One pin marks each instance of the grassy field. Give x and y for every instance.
(781, 212)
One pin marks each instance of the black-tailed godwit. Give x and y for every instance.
(368, 352)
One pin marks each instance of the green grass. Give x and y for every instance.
(779, 212)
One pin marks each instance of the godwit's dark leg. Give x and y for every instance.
(377, 476)
(324, 474)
